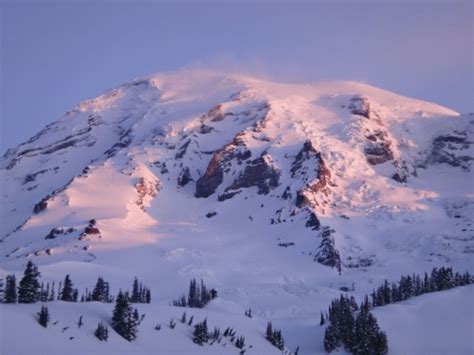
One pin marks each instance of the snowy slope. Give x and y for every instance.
(207, 175)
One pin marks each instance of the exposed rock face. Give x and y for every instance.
(309, 166)
(313, 222)
(217, 114)
(41, 206)
(360, 106)
(184, 177)
(182, 150)
(220, 163)
(146, 190)
(32, 177)
(402, 173)
(90, 231)
(451, 149)
(124, 141)
(327, 253)
(213, 177)
(378, 148)
(261, 173)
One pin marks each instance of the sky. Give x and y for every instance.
(54, 55)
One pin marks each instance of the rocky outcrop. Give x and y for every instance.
(360, 106)
(41, 206)
(184, 177)
(124, 141)
(401, 174)
(91, 231)
(313, 222)
(56, 232)
(378, 148)
(309, 166)
(207, 184)
(217, 114)
(452, 149)
(220, 163)
(327, 254)
(146, 190)
(182, 150)
(260, 172)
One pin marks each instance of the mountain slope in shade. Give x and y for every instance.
(266, 190)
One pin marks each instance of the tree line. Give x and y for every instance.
(30, 290)
(356, 327)
(409, 286)
(198, 296)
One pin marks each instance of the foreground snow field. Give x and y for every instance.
(440, 323)
(277, 195)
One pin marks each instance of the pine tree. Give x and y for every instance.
(369, 340)
(123, 319)
(321, 321)
(269, 332)
(80, 323)
(67, 293)
(102, 332)
(43, 316)
(100, 292)
(387, 295)
(201, 335)
(29, 284)
(240, 342)
(1, 290)
(148, 296)
(193, 300)
(183, 318)
(10, 295)
(331, 338)
(135, 292)
(60, 287)
(52, 295)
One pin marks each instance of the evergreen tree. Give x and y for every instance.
(200, 333)
(183, 318)
(269, 332)
(1, 290)
(135, 291)
(240, 342)
(52, 295)
(172, 323)
(387, 295)
(80, 323)
(60, 287)
(123, 320)
(100, 292)
(10, 295)
(321, 321)
(43, 316)
(29, 285)
(369, 340)
(67, 293)
(426, 284)
(148, 296)
(331, 338)
(102, 332)
(193, 298)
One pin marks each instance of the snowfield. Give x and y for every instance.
(277, 195)
(440, 323)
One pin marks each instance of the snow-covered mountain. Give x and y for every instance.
(275, 194)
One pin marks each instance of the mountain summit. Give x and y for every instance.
(332, 162)
(261, 188)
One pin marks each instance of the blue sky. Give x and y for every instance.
(53, 56)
